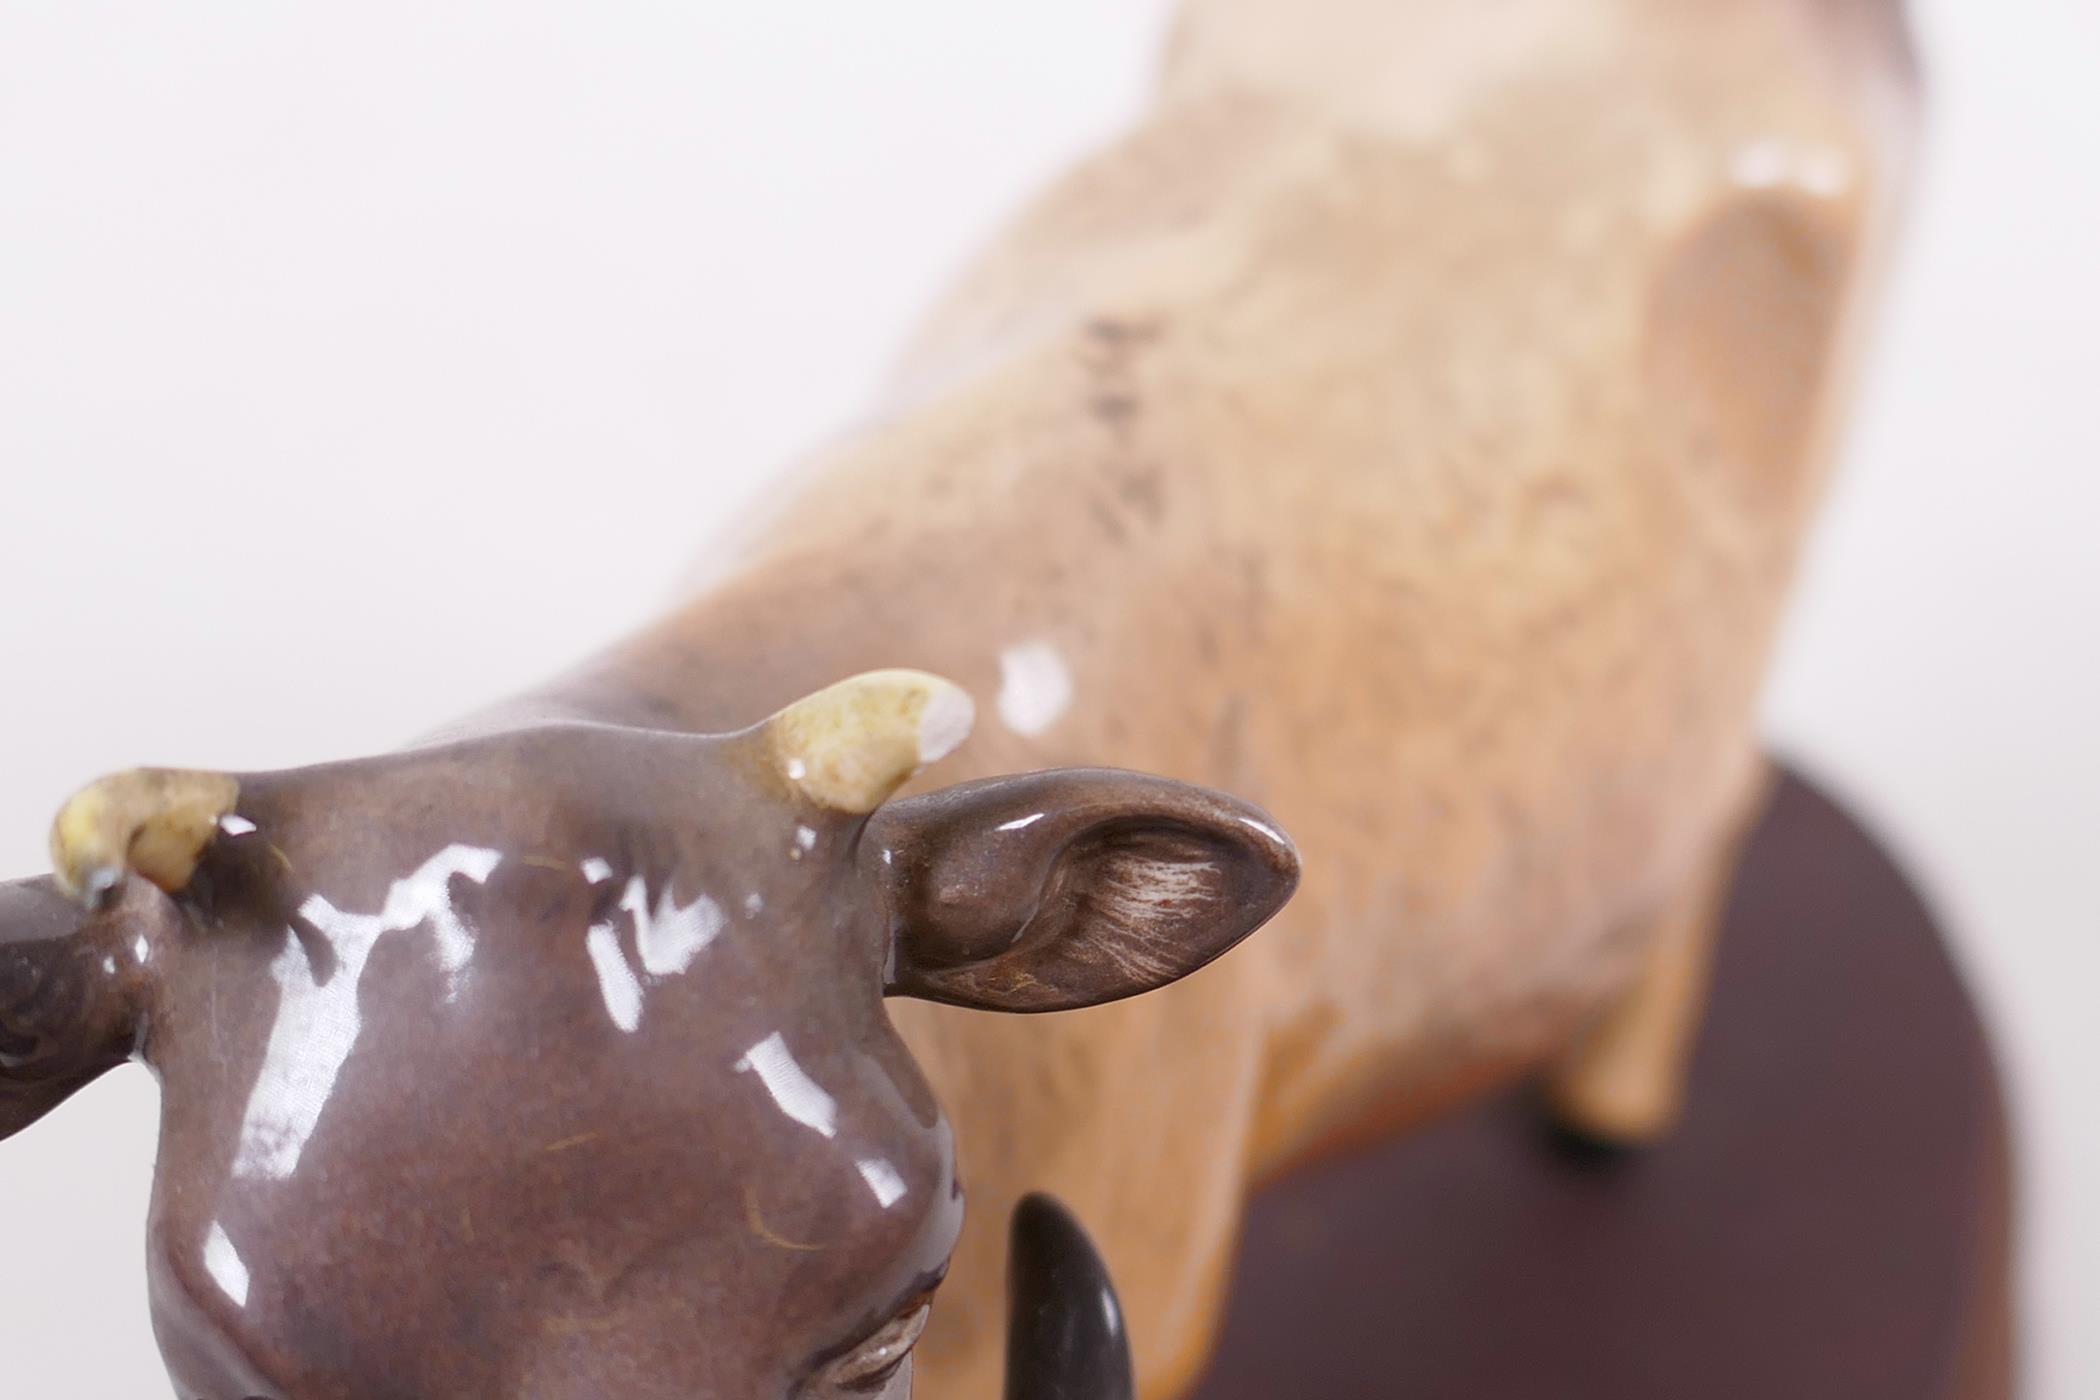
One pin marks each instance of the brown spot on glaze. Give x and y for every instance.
(1114, 408)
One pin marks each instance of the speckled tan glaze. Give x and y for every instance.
(1410, 426)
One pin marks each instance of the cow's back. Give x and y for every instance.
(1416, 439)
(1410, 429)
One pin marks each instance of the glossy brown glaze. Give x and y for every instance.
(1410, 426)
(554, 1063)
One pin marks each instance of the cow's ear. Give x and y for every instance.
(69, 993)
(1047, 891)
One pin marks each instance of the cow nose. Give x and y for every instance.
(1065, 1338)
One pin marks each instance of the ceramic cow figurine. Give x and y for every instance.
(1409, 427)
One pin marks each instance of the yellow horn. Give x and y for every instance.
(154, 821)
(851, 745)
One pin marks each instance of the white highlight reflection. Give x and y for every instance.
(671, 935)
(617, 983)
(667, 936)
(1035, 687)
(799, 1096)
(223, 1262)
(1770, 164)
(1269, 831)
(882, 1179)
(318, 1022)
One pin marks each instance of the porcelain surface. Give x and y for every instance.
(1410, 425)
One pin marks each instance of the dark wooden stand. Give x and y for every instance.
(1830, 1223)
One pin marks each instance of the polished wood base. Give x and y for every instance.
(1830, 1221)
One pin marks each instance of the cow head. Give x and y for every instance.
(553, 1063)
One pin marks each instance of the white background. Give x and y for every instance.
(360, 363)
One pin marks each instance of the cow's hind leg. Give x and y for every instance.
(1622, 1082)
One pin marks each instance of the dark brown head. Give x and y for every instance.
(554, 1063)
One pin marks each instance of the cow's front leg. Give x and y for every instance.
(1622, 1082)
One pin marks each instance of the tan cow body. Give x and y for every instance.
(1411, 427)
